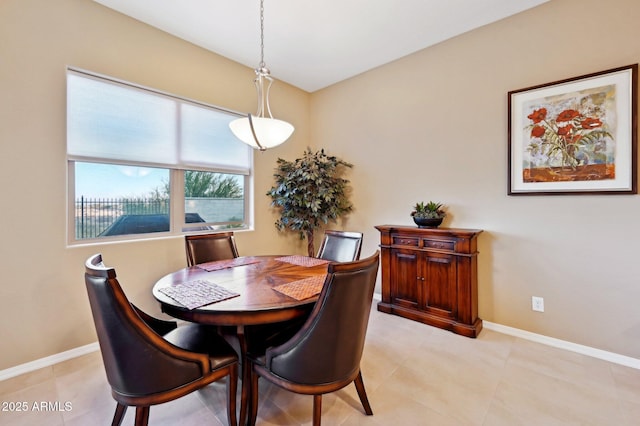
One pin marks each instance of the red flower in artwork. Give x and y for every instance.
(565, 130)
(537, 131)
(567, 115)
(538, 115)
(590, 123)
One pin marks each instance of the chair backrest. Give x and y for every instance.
(340, 246)
(202, 248)
(329, 346)
(136, 359)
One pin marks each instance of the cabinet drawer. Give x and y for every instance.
(440, 244)
(405, 241)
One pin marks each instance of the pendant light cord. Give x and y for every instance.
(262, 65)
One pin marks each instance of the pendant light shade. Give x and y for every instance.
(261, 131)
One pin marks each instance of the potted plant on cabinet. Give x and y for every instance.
(310, 191)
(428, 215)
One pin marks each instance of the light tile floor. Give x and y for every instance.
(414, 375)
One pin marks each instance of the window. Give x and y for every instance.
(144, 162)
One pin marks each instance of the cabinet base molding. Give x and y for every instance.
(466, 330)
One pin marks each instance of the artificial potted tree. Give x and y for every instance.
(309, 192)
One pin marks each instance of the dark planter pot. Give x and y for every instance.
(425, 222)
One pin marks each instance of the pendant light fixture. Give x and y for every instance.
(261, 131)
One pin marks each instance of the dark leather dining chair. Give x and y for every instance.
(324, 355)
(340, 246)
(202, 248)
(149, 361)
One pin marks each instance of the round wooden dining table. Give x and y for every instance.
(254, 279)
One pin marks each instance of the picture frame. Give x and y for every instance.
(575, 136)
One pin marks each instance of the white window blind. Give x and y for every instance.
(110, 120)
(199, 128)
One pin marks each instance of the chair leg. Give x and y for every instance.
(317, 409)
(253, 403)
(119, 415)
(363, 394)
(142, 416)
(232, 387)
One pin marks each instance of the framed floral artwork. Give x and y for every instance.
(575, 136)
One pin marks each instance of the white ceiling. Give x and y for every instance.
(312, 45)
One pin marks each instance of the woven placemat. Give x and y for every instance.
(227, 263)
(193, 294)
(302, 260)
(302, 289)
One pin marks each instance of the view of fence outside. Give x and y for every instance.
(93, 215)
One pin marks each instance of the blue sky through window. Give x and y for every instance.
(95, 180)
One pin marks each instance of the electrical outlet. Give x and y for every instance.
(537, 303)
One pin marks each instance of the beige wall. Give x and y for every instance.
(433, 126)
(43, 302)
(429, 126)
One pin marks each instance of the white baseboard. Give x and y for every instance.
(550, 341)
(563, 344)
(48, 361)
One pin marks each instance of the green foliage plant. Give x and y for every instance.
(431, 210)
(212, 185)
(203, 184)
(309, 191)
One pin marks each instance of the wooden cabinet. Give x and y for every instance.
(430, 275)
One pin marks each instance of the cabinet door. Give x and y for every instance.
(439, 284)
(404, 278)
